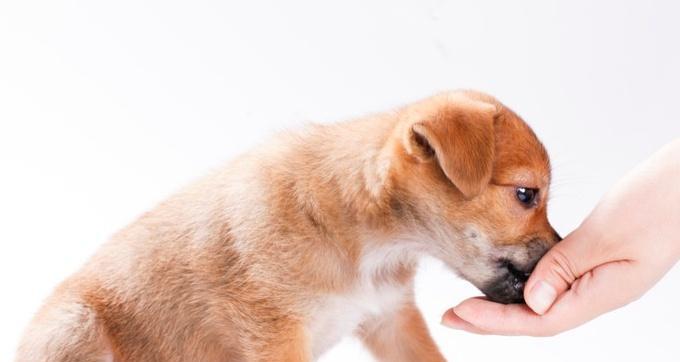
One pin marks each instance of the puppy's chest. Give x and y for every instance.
(339, 315)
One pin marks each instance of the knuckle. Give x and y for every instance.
(562, 267)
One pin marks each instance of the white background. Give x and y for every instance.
(107, 107)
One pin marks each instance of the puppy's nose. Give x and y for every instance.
(517, 279)
(509, 286)
(519, 275)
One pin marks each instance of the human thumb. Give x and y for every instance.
(559, 268)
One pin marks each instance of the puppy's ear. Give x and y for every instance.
(459, 135)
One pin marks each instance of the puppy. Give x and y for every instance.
(313, 236)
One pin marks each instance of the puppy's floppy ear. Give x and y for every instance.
(459, 135)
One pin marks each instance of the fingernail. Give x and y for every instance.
(541, 297)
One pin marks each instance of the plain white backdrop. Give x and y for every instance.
(107, 107)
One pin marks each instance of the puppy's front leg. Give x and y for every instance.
(400, 336)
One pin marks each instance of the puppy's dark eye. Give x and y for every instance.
(526, 196)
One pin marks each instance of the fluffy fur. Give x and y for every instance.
(312, 236)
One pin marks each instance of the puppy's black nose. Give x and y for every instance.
(519, 275)
(509, 286)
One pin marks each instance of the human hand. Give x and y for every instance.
(628, 242)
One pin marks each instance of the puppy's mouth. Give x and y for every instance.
(508, 287)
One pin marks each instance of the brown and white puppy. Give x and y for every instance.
(313, 236)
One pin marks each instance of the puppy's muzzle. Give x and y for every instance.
(508, 287)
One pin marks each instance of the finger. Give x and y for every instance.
(560, 267)
(493, 318)
(605, 288)
(451, 320)
(595, 293)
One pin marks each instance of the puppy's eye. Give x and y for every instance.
(526, 196)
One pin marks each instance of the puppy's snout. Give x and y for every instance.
(509, 286)
(518, 274)
(512, 273)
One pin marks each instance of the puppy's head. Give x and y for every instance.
(476, 181)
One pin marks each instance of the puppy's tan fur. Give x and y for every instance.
(311, 236)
